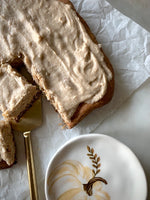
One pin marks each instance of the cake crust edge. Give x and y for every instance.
(4, 165)
(84, 108)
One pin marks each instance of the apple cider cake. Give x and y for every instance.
(61, 53)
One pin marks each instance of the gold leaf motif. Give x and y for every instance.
(98, 166)
(92, 157)
(92, 150)
(88, 148)
(94, 166)
(95, 160)
(98, 171)
(89, 154)
(98, 159)
(93, 171)
(95, 156)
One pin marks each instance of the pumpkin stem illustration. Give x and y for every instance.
(96, 164)
(88, 187)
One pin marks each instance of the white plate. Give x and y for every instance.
(73, 165)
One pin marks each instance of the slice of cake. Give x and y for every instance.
(16, 94)
(7, 146)
(60, 52)
(72, 71)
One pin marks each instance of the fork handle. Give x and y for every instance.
(30, 166)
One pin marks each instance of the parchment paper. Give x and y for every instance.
(127, 45)
(138, 10)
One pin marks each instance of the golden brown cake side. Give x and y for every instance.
(7, 146)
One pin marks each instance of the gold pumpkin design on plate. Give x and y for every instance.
(73, 181)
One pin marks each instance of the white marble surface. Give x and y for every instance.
(131, 125)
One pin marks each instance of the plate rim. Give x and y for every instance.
(76, 138)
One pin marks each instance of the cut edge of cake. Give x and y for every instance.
(7, 145)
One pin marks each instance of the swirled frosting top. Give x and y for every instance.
(67, 65)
